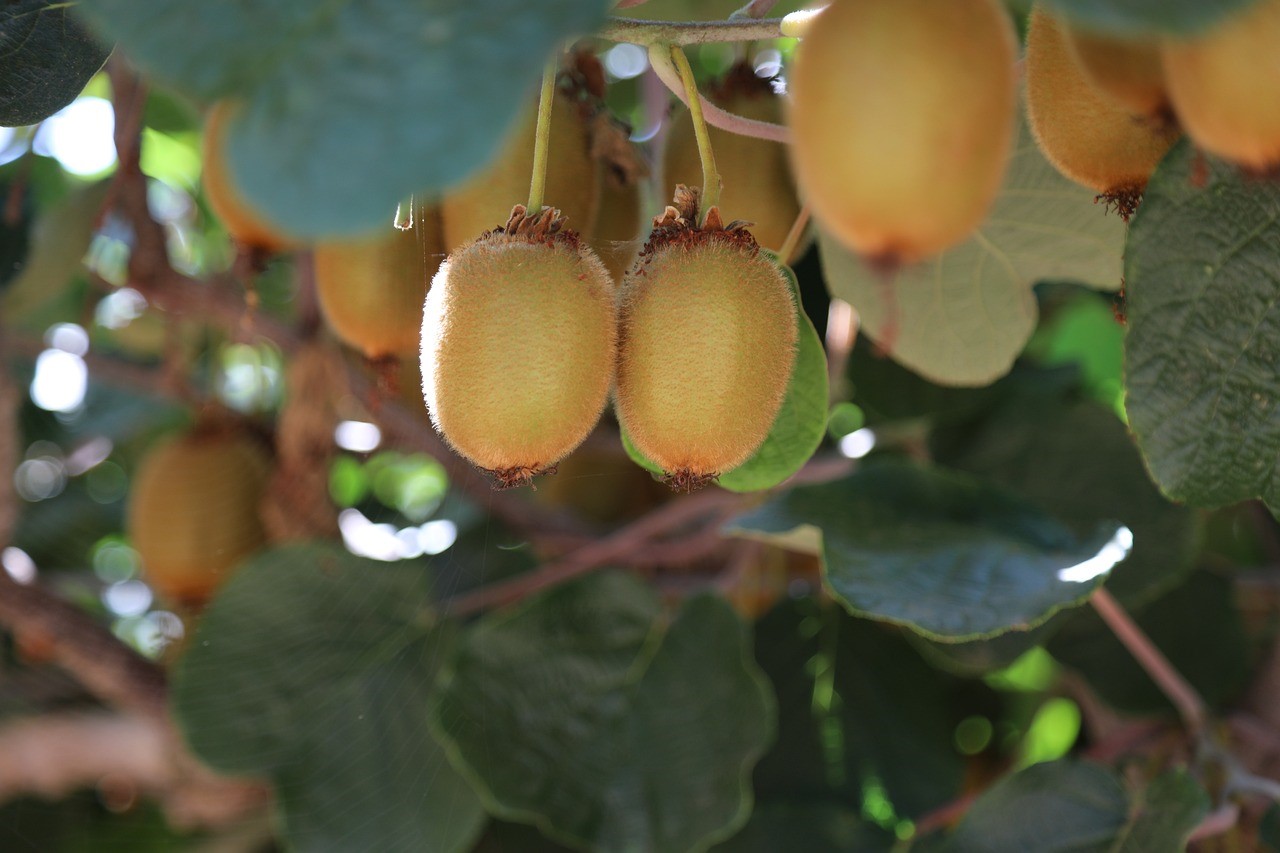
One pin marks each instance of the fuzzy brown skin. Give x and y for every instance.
(519, 339)
(483, 202)
(193, 512)
(1125, 70)
(1225, 86)
(1086, 135)
(245, 225)
(707, 344)
(756, 173)
(903, 119)
(371, 291)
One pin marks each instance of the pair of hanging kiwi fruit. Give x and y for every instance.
(526, 328)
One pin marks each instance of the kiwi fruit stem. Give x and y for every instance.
(710, 176)
(542, 136)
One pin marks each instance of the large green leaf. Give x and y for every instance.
(351, 105)
(1077, 807)
(1215, 662)
(48, 58)
(808, 827)
(585, 712)
(836, 674)
(962, 318)
(1134, 17)
(941, 553)
(1202, 274)
(1075, 459)
(801, 422)
(315, 668)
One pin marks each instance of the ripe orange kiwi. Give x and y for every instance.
(245, 225)
(193, 511)
(1127, 70)
(518, 345)
(572, 182)
(371, 291)
(707, 342)
(1225, 86)
(903, 119)
(755, 172)
(1086, 136)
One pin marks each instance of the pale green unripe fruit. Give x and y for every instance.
(371, 291)
(483, 202)
(1225, 85)
(902, 115)
(707, 344)
(1086, 135)
(519, 337)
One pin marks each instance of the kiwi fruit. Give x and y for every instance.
(902, 114)
(756, 173)
(707, 342)
(572, 182)
(1127, 70)
(1225, 86)
(1084, 134)
(519, 337)
(193, 510)
(371, 290)
(246, 226)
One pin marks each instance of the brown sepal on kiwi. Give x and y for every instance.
(1123, 201)
(514, 478)
(686, 481)
(678, 225)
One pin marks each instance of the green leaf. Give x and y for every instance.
(584, 712)
(963, 317)
(48, 59)
(941, 553)
(1215, 662)
(811, 827)
(315, 668)
(1146, 17)
(1069, 806)
(801, 422)
(1075, 460)
(1202, 273)
(351, 105)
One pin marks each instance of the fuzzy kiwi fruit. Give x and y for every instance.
(245, 225)
(572, 181)
(1128, 70)
(1084, 134)
(518, 346)
(707, 343)
(193, 511)
(371, 290)
(903, 120)
(1225, 86)
(756, 173)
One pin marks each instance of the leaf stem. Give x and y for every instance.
(710, 176)
(542, 136)
(1183, 696)
(667, 72)
(787, 250)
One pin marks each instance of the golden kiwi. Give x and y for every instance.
(518, 344)
(903, 119)
(1087, 137)
(1225, 86)
(245, 225)
(756, 172)
(706, 345)
(572, 182)
(371, 290)
(1127, 70)
(193, 511)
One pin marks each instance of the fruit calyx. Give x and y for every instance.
(547, 226)
(1122, 201)
(678, 225)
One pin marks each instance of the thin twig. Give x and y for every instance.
(666, 71)
(1216, 822)
(754, 10)
(645, 33)
(1183, 696)
(787, 251)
